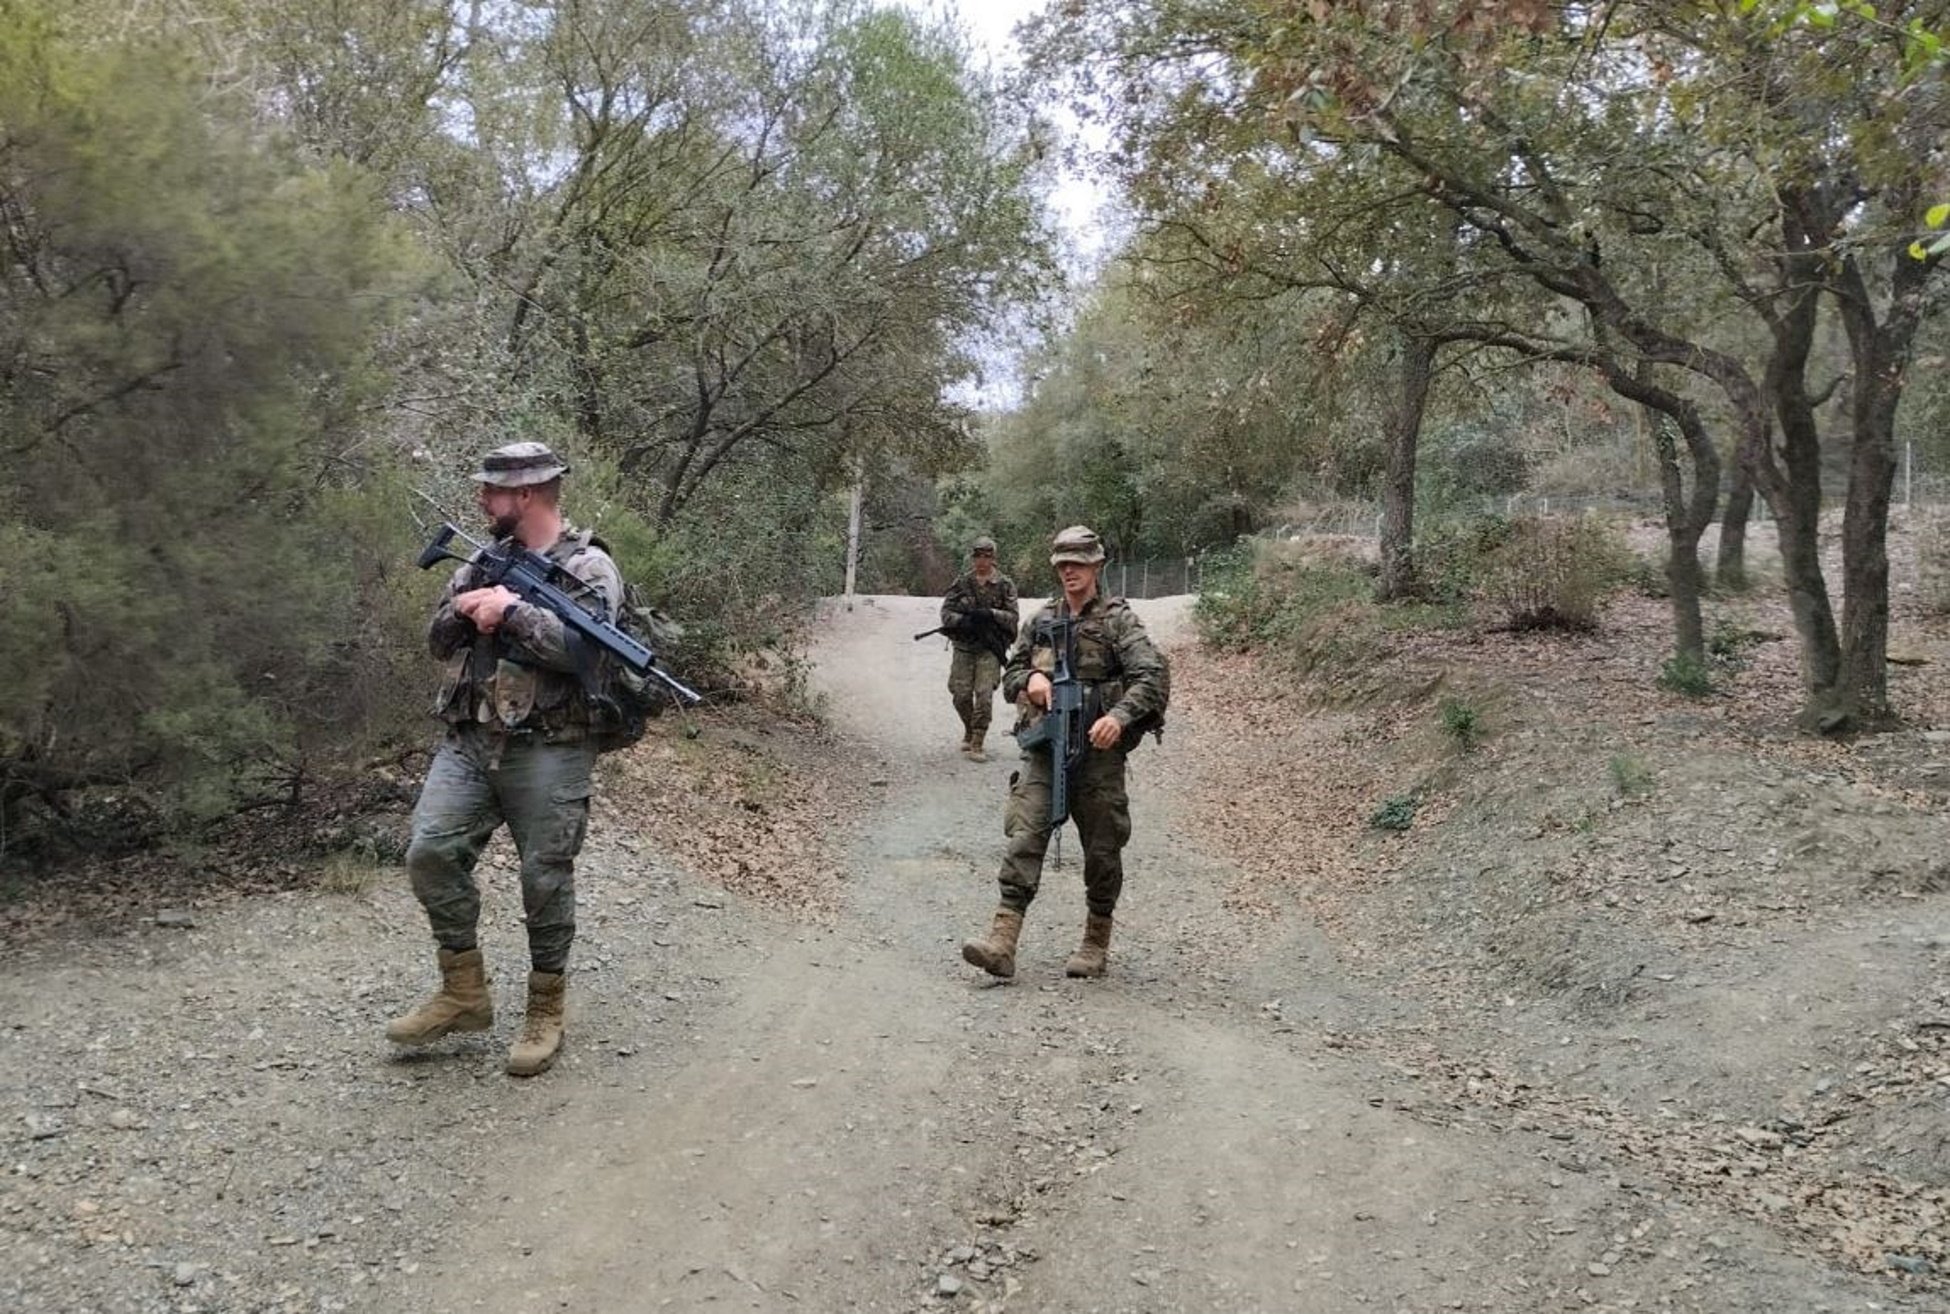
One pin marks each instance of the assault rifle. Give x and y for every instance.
(1062, 729)
(529, 576)
(979, 626)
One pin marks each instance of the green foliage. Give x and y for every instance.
(1686, 674)
(203, 570)
(1462, 722)
(1396, 813)
(1630, 777)
(1306, 605)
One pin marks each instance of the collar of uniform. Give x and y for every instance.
(1096, 604)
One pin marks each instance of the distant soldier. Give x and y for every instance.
(517, 749)
(1126, 684)
(979, 615)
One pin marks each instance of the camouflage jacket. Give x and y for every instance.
(968, 594)
(521, 677)
(1125, 674)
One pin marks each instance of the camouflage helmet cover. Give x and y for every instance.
(982, 544)
(520, 465)
(1078, 543)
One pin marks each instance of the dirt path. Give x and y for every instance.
(768, 1113)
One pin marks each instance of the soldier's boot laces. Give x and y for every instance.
(463, 1003)
(1092, 955)
(541, 1030)
(974, 747)
(996, 952)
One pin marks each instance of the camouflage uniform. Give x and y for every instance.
(517, 750)
(1125, 676)
(976, 670)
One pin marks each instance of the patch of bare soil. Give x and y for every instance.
(1665, 931)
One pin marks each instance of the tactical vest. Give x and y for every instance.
(1098, 667)
(485, 683)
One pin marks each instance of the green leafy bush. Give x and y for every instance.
(1396, 813)
(1686, 674)
(1462, 723)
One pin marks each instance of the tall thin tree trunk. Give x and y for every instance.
(1730, 565)
(1398, 494)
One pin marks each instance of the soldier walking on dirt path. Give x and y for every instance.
(1126, 684)
(977, 666)
(517, 749)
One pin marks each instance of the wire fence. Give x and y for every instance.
(1154, 577)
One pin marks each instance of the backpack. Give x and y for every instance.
(621, 701)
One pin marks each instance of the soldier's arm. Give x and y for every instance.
(537, 634)
(1147, 676)
(1016, 671)
(449, 631)
(955, 602)
(1008, 615)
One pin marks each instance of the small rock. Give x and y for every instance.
(176, 919)
(1759, 1138)
(1913, 1264)
(806, 1083)
(947, 1285)
(1598, 1270)
(185, 1275)
(125, 1120)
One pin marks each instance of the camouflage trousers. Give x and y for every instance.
(1102, 812)
(972, 680)
(542, 791)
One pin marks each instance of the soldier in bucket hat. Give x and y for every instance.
(1126, 684)
(517, 749)
(983, 591)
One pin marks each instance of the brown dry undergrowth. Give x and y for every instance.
(753, 803)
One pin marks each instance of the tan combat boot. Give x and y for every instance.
(463, 1003)
(974, 749)
(1090, 956)
(996, 954)
(541, 1031)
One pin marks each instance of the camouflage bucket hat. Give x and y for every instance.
(519, 465)
(982, 544)
(1078, 543)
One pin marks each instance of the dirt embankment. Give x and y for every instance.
(1714, 947)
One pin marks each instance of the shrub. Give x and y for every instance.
(1462, 723)
(1630, 776)
(1933, 564)
(1395, 813)
(1686, 674)
(1551, 573)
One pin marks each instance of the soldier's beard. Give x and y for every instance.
(505, 524)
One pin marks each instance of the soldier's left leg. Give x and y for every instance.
(961, 686)
(1102, 807)
(981, 700)
(1103, 812)
(545, 794)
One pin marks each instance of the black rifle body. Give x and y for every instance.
(525, 573)
(1061, 729)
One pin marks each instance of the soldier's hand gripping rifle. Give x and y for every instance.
(1061, 729)
(978, 626)
(526, 573)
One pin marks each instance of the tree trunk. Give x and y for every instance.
(1687, 515)
(1730, 566)
(1881, 353)
(1398, 494)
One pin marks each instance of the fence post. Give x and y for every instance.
(1146, 586)
(1909, 474)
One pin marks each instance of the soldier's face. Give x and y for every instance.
(502, 508)
(1078, 579)
(984, 563)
